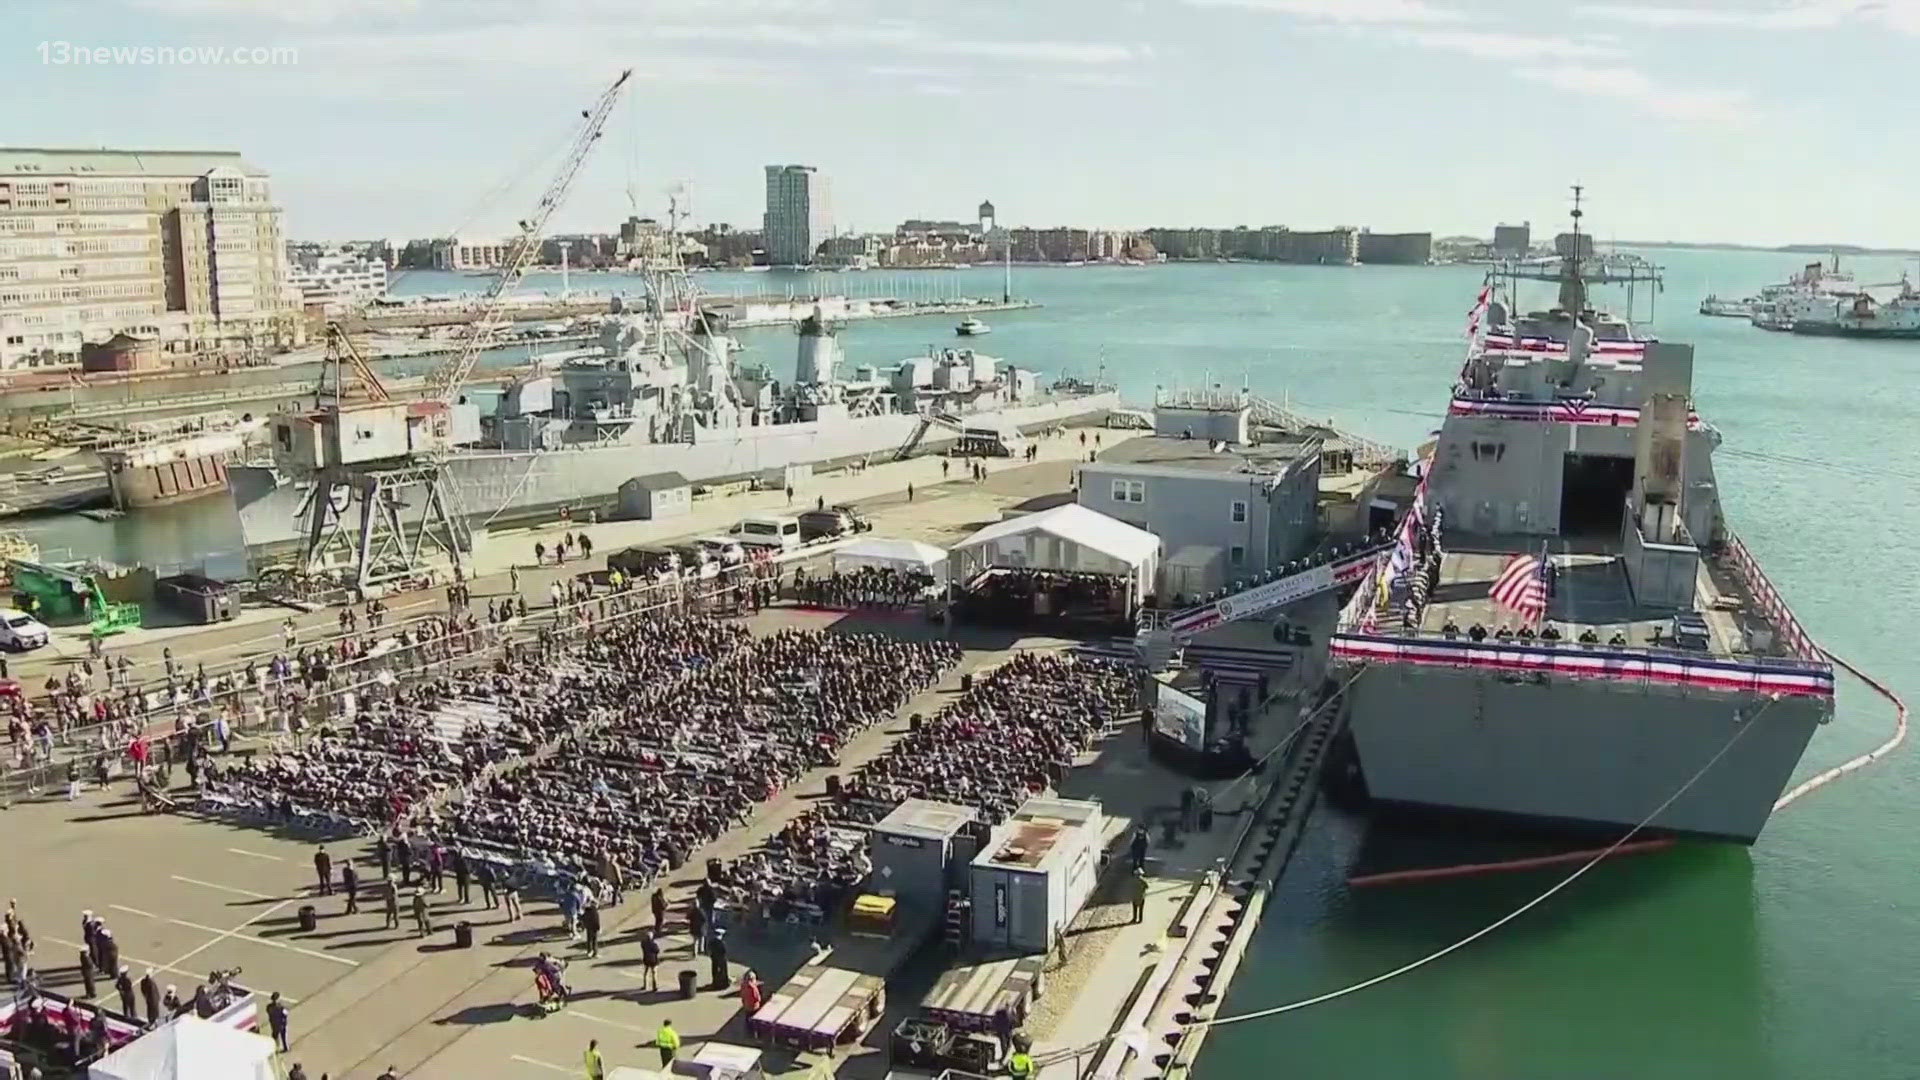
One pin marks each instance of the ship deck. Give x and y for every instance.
(1590, 590)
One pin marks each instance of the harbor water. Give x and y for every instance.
(1795, 959)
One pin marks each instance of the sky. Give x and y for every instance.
(1759, 121)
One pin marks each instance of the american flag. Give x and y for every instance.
(1522, 587)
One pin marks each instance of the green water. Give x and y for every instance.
(1795, 959)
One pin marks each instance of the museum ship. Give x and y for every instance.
(1568, 634)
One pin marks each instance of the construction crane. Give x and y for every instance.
(379, 506)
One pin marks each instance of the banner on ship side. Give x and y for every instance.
(1796, 678)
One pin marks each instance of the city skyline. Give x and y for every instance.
(394, 119)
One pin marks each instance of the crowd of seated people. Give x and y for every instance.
(866, 586)
(1013, 596)
(668, 746)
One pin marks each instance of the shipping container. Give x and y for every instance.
(919, 849)
(1035, 875)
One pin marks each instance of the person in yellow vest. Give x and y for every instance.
(668, 1040)
(1020, 1065)
(596, 1068)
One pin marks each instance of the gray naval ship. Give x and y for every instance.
(662, 391)
(1571, 441)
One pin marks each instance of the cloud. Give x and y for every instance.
(1376, 12)
(1903, 15)
(902, 36)
(1633, 87)
(1495, 45)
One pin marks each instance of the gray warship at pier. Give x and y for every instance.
(662, 391)
(1666, 661)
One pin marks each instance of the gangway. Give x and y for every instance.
(927, 422)
(1163, 633)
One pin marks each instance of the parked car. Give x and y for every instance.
(832, 521)
(724, 550)
(643, 561)
(20, 631)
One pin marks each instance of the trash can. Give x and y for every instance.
(915, 721)
(715, 870)
(833, 785)
(463, 935)
(966, 682)
(687, 983)
(309, 918)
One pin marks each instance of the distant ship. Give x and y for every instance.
(1568, 635)
(1862, 316)
(1727, 309)
(972, 327)
(653, 397)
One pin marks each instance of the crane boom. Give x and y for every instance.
(445, 382)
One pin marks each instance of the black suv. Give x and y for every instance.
(833, 521)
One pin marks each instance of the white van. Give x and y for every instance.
(779, 533)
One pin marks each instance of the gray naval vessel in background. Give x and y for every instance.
(662, 392)
(1572, 442)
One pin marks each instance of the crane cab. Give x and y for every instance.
(372, 433)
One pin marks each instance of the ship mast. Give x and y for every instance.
(1573, 286)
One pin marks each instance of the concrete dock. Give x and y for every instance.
(186, 896)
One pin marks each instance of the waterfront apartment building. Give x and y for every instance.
(456, 253)
(334, 277)
(798, 216)
(1403, 249)
(182, 248)
(1513, 241)
(1271, 243)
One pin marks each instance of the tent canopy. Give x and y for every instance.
(1067, 538)
(189, 1049)
(887, 551)
(1077, 525)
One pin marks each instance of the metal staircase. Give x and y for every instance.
(927, 422)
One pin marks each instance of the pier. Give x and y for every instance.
(364, 998)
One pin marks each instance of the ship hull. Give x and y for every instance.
(496, 487)
(1820, 329)
(1576, 754)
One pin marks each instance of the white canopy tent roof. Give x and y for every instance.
(1068, 538)
(190, 1049)
(888, 551)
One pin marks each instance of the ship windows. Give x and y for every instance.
(1239, 513)
(1130, 491)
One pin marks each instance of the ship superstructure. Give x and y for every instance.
(1572, 457)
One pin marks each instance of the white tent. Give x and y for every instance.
(1066, 538)
(190, 1049)
(888, 552)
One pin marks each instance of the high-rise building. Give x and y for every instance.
(181, 247)
(798, 214)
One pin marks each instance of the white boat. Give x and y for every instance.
(972, 327)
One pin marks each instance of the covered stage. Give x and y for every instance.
(1068, 568)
